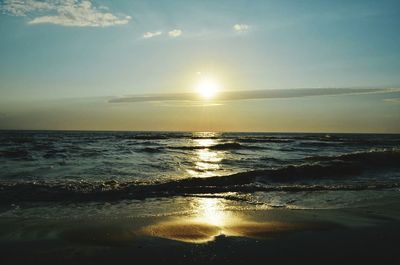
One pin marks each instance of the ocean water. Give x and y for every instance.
(81, 174)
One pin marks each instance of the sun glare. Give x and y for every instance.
(207, 88)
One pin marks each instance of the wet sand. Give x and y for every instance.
(344, 236)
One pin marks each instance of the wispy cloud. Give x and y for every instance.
(71, 13)
(175, 33)
(392, 100)
(241, 27)
(252, 94)
(149, 34)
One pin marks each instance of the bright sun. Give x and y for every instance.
(207, 87)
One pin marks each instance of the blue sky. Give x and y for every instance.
(74, 50)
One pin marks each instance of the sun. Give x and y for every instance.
(207, 87)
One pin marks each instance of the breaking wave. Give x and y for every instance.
(291, 178)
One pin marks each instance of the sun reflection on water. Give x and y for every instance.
(205, 142)
(206, 160)
(214, 217)
(210, 211)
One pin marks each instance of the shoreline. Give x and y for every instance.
(348, 236)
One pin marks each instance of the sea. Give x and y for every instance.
(81, 174)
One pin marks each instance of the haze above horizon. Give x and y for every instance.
(295, 66)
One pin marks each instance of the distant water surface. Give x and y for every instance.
(131, 169)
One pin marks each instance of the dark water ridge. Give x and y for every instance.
(221, 146)
(26, 146)
(25, 154)
(76, 192)
(352, 171)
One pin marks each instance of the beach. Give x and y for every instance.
(346, 236)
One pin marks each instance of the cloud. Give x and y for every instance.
(71, 13)
(24, 7)
(392, 100)
(253, 94)
(148, 35)
(175, 33)
(241, 27)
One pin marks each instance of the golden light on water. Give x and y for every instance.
(212, 218)
(211, 211)
(208, 156)
(206, 142)
(207, 222)
(208, 217)
(206, 160)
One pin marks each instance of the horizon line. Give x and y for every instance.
(183, 131)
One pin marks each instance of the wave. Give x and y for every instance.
(12, 193)
(264, 140)
(228, 146)
(196, 137)
(383, 157)
(218, 147)
(152, 149)
(15, 154)
(151, 136)
(292, 178)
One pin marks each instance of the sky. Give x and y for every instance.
(140, 65)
